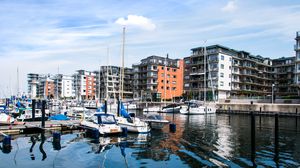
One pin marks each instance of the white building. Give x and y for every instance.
(67, 90)
(85, 85)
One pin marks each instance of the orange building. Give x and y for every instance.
(170, 81)
(158, 78)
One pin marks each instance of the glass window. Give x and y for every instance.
(222, 57)
(221, 83)
(221, 74)
(222, 66)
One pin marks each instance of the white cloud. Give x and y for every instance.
(230, 6)
(138, 21)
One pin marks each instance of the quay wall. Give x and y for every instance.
(288, 108)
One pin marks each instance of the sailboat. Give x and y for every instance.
(194, 107)
(132, 123)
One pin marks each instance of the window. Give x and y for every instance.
(229, 75)
(221, 83)
(173, 88)
(229, 84)
(162, 68)
(162, 81)
(168, 69)
(222, 57)
(162, 75)
(174, 76)
(162, 87)
(174, 82)
(174, 70)
(221, 74)
(230, 59)
(167, 81)
(229, 67)
(168, 75)
(222, 66)
(168, 88)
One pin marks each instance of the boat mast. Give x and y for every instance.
(204, 87)
(18, 83)
(57, 82)
(165, 80)
(122, 68)
(107, 74)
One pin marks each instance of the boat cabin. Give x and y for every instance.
(102, 118)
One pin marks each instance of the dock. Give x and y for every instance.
(36, 126)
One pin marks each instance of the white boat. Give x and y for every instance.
(156, 121)
(26, 114)
(105, 123)
(134, 124)
(171, 108)
(152, 109)
(194, 108)
(6, 119)
(130, 106)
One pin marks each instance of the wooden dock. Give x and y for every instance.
(35, 126)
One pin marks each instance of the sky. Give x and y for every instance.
(52, 36)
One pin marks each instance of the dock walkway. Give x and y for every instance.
(35, 126)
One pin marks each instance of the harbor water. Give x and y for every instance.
(218, 140)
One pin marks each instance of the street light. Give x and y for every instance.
(273, 85)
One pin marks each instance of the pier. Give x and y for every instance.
(36, 126)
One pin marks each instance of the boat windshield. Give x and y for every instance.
(155, 117)
(106, 119)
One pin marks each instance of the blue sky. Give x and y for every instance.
(38, 36)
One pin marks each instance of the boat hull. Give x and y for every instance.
(201, 110)
(171, 110)
(104, 129)
(136, 126)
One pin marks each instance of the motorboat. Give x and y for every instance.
(152, 109)
(194, 108)
(156, 121)
(171, 108)
(104, 122)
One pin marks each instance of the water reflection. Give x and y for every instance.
(212, 141)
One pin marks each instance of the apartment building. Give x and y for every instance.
(84, 85)
(158, 78)
(284, 74)
(229, 73)
(32, 81)
(46, 87)
(297, 60)
(64, 86)
(110, 82)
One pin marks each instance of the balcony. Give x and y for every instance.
(197, 72)
(296, 47)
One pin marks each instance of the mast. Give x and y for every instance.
(107, 74)
(122, 68)
(57, 82)
(165, 80)
(18, 83)
(204, 87)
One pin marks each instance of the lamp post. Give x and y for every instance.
(273, 85)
